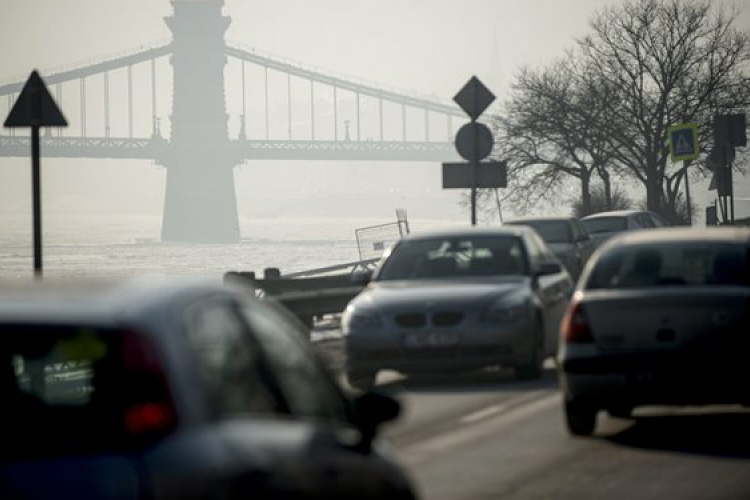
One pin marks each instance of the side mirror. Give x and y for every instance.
(549, 268)
(362, 277)
(373, 409)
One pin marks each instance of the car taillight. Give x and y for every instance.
(149, 407)
(575, 325)
(148, 417)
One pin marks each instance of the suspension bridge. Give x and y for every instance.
(345, 120)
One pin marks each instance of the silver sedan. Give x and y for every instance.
(461, 299)
(660, 317)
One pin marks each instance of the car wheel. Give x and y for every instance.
(621, 411)
(363, 381)
(580, 418)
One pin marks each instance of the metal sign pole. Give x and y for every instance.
(474, 167)
(731, 192)
(35, 108)
(36, 180)
(685, 165)
(474, 143)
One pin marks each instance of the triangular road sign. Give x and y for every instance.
(35, 107)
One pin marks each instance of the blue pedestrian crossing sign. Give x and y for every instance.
(683, 141)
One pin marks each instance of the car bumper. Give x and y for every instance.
(648, 379)
(473, 349)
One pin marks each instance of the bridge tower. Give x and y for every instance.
(200, 203)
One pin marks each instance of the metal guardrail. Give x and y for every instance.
(306, 293)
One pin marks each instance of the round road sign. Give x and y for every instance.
(474, 141)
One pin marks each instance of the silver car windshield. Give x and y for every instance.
(438, 258)
(672, 265)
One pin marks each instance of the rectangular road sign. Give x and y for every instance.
(730, 129)
(683, 141)
(489, 175)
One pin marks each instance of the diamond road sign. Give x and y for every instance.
(683, 141)
(474, 98)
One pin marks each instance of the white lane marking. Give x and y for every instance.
(480, 414)
(438, 445)
(493, 409)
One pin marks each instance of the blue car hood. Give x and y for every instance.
(457, 292)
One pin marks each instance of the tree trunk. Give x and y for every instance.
(653, 192)
(585, 192)
(604, 175)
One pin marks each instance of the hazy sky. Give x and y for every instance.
(425, 47)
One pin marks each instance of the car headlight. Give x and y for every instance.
(504, 313)
(354, 320)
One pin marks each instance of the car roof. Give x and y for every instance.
(615, 213)
(670, 235)
(540, 218)
(469, 232)
(100, 302)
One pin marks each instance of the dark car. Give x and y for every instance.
(177, 391)
(603, 225)
(565, 236)
(659, 317)
(458, 300)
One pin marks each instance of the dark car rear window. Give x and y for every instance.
(674, 264)
(63, 390)
(605, 224)
(551, 231)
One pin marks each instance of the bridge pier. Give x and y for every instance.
(200, 203)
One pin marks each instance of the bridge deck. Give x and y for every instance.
(126, 148)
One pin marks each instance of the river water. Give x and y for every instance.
(122, 246)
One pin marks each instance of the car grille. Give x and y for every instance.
(447, 318)
(412, 320)
(419, 320)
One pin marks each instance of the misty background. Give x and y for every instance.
(425, 48)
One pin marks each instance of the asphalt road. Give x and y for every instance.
(488, 436)
(491, 437)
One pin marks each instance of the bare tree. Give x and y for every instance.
(671, 61)
(604, 199)
(552, 129)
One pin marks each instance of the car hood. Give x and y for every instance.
(462, 293)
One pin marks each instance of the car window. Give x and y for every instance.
(657, 221)
(579, 232)
(454, 257)
(539, 253)
(65, 389)
(672, 265)
(229, 364)
(307, 389)
(644, 221)
(551, 231)
(605, 224)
